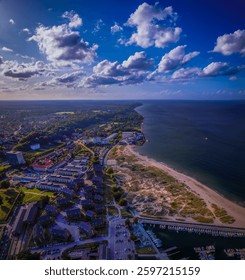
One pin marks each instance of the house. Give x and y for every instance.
(63, 202)
(90, 214)
(98, 223)
(45, 220)
(73, 214)
(68, 193)
(38, 235)
(99, 208)
(97, 179)
(61, 178)
(88, 189)
(89, 175)
(60, 234)
(86, 228)
(50, 186)
(98, 198)
(51, 210)
(86, 203)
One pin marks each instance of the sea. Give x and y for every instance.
(202, 139)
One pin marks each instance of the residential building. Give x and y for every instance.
(15, 158)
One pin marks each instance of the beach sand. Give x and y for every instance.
(209, 195)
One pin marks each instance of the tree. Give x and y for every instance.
(4, 184)
(123, 202)
(109, 170)
(27, 255)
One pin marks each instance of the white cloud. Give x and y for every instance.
(131, 71)
(231, 43)
(218, 69)
(233, 78)
(75, 20)
(116, 28)
(98, 25)
(63, 46)
(27, 30)
(67, 79)
(185, 73)
(11, 21)
(153, 26)
(174, 59)
(138, 61)
(5, 49)
(22, 71)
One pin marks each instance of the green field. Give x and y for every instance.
(7, 199)
(32, 195)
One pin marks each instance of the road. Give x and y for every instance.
(63, 247)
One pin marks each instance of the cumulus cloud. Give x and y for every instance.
(63, 46)
(175, 58)
(22, 71)
(116, 28)
(218, 69)
(67, 79)
(1, 60)
(131, 71)
(11, 21)
(75, 20)
(154, 26)
(138, 61)
(231, 43)
(185, 73)
(5, 49)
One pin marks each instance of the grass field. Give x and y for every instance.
(32, 195)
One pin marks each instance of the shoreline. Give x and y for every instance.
(205, 192)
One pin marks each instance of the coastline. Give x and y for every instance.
(209, 195)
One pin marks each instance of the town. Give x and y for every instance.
(60, 197)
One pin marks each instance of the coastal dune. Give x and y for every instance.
(203, 191)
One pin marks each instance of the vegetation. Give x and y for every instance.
(7, 199)
(146, 251)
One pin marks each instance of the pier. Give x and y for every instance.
(195, 228)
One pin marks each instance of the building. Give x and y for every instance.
(42, 165)
(60, 234)
(31, 214)
(18, 223)
(90, 214)
(86, 228)
(73, 214)
(50, 186)
(111, 137)
(98, 223)
(44, 220)
(51, 210)
(35, 147)
(61, 178)
(63, 202)
(86, 203)
(38, 235)
(15, 158)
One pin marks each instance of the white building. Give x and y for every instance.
(35, 147)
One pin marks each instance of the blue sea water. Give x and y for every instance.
(203, 139)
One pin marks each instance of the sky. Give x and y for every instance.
(124, 49)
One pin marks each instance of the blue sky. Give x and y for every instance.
(127, 49)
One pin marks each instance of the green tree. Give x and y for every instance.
(4, 184)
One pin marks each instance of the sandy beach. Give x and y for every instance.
(209, 196)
